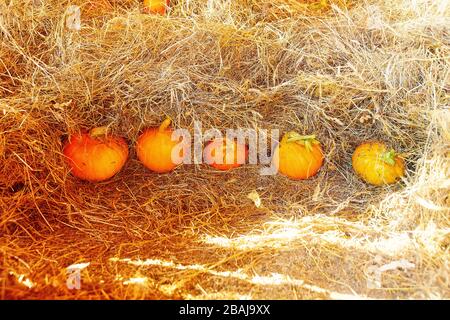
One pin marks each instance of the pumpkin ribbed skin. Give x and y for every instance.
(230, 150)
(297, 160)
(369, 163)
(155, 6)
(95, 158)
(154, 149)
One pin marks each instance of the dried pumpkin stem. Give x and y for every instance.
(298, 137)
(165, 124)
(308, 141)
(98, 131)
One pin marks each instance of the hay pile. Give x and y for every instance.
(346, 70)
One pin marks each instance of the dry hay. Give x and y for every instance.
(346, 70)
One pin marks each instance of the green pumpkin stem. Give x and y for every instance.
(389, 157)
(308, 141)
(165, 124)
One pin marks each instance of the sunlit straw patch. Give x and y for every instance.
(274, 279)
(23, 279)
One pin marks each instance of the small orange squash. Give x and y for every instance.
(155, 146)
(156, 6)
(233, 154)
(95, 156)
(298, 157)
(376, 164)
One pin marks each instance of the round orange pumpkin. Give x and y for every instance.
(231, 150)
(156, 6)
(155, 147)
(95, 156)
(298, 157)
(376, 164)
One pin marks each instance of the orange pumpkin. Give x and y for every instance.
(232, 152)
(156, 6)
(155, 147)
(95, 156)
(297, 156)
(376, 164)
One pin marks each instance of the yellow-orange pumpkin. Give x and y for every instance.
(95, 156)
(297, 156)
(230, 153)
(376, 164)
(155, 147)
(156, 6)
